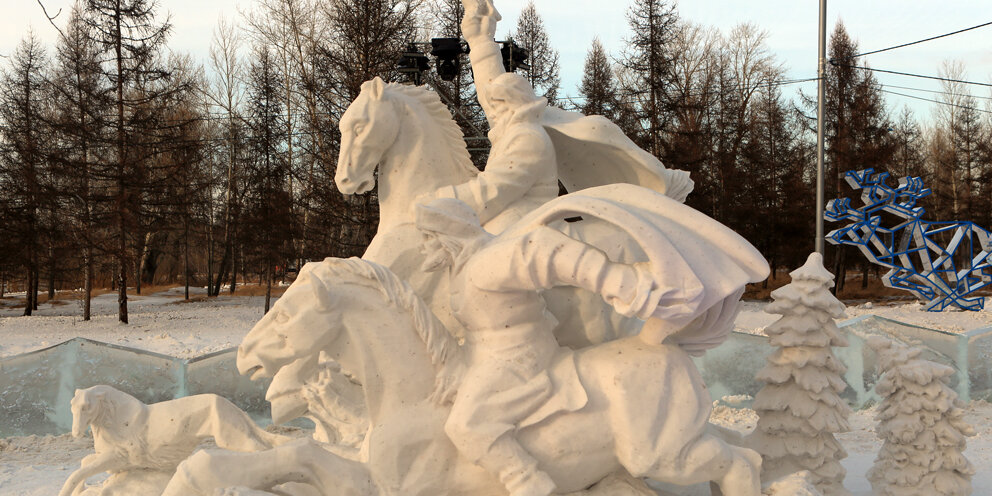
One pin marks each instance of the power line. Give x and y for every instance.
(938, 78)
(919, 41)
(948, 93)
(936, 101)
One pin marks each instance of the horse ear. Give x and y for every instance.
(375, 87)
(321, 291)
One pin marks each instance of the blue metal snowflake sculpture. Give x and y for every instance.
(939, 262)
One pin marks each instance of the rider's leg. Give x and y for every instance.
(482, 422)
(516, 468)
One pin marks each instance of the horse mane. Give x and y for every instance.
(450, 132)
(107, 422)
(441, 345)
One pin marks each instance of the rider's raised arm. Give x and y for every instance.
(479, 29)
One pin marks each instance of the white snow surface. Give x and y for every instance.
(38, 465)
(161, 322)
(753, 319)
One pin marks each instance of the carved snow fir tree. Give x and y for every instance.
(800, 408)
(922, 425)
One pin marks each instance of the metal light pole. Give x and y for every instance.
(821, 73)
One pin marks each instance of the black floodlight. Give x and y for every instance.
(413, 62)
(514, 56)
(447, 54)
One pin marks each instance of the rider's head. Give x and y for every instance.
(447, 226)
(508, 91)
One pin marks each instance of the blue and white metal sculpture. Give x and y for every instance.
(939, 262)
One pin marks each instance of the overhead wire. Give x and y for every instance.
(898, 73)
(937, 101)
(918, 41)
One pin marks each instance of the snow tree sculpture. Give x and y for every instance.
(800, 408)
(922, 425)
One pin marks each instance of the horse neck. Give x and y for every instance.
(389, 358)
(420, 161)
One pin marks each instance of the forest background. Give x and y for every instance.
(124, 163)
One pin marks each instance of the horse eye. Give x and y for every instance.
(359, 128)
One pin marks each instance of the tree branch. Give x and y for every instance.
(51, 19)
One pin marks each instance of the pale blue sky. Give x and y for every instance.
(572, 24)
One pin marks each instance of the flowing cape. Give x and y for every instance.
(695, 261)
(592, 151)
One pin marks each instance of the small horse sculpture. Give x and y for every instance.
(646, 413)
(940, 274)
(129, 435)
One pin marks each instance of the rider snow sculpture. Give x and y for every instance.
(533, 144)
(521, 174)
(494, 293)
(496, 285)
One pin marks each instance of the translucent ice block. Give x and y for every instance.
(218, 373)
(36, 387)
(729, 369)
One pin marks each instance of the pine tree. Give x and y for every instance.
(921, 423)
(130, 39)
(598, 87)
(800, 408)
(23, 168)
(543, 59)
(648, 63)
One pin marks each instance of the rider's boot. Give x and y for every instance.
(517, 469)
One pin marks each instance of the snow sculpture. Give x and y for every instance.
(800, 408)
(923, 257)
(450, 381)
(129, 436)
(408, 135)
(921, 424)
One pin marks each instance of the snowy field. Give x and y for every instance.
(37, 466)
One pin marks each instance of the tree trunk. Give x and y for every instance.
(864, 276)
(36, 284)
(234, 269)
(268, 286)
(28, 304)
(51, 271)
(88, 283)
(186, 259)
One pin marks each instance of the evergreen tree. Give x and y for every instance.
(921, 423)
(24, 173)
(269, 220)
(800, 408)
(648, 61)
(856, 125)
(130, 39)
(81, 105)
(543, 59)
(598, 87)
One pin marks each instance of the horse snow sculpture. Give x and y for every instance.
(938, 262)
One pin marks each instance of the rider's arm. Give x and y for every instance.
(545, 258)
(507, 178)
(479, 28)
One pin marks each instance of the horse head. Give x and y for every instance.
(86, 406)
(295, 327)
(368, 129)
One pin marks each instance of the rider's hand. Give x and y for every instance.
(480, 20)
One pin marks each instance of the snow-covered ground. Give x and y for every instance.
(753, 319)
(37, 466)
(161, 322)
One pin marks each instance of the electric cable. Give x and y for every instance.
(919, 41)
(938, 78)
